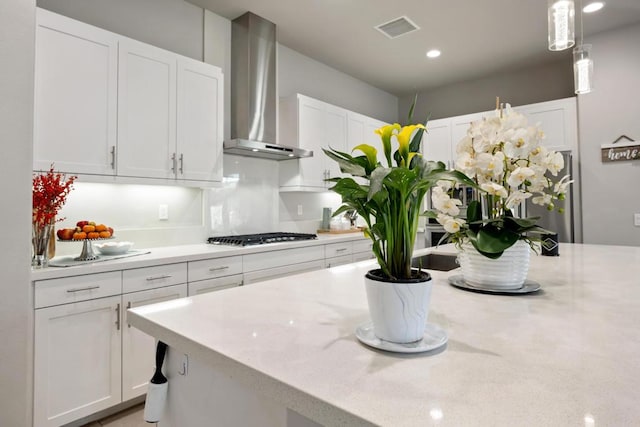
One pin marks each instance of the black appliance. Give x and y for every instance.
(259, 239)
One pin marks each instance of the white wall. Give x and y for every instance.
(610, 194)
(527, 86)
(174, 25)
(298, 73)
(16, 295)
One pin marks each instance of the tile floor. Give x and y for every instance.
(132, 417)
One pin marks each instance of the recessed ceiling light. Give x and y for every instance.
(593, 7)
(433, 53)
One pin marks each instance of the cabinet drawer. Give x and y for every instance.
(215, 267)
(141, 279)
(361, 256)
(78, 288)
(338, 249)
(362, 246)
(210, 285)
(274, 273)
(282, 258)
(338, 260)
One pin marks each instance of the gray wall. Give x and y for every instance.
(174, 25)
(610, 190)
(17, 18)
(534, 84)
(300, 74)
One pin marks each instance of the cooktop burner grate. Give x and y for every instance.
(259, 239)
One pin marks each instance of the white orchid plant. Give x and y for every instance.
(504, 156)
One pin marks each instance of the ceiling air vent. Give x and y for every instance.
(397, 27)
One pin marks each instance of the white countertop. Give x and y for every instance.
(562, 356)
(184, 253)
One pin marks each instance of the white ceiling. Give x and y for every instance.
(476, 37)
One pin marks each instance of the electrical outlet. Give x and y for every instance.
(636, 219)
(163, 212)
(299, 209)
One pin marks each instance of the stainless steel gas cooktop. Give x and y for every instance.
(259, 239)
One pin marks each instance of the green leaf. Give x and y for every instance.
(377, 177)
(347, 163)
(493, 240)
(474, 212)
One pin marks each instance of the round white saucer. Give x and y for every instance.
(434, 337)
(528, 287)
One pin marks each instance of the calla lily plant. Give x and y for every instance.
(390, 198)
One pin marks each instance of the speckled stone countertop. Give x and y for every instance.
(564, 356)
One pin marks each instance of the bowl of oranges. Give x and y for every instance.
(85, 230)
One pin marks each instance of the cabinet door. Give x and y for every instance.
(336, 137)
(436, 142)
(211, 285)
(558, 121)
(77, 360)
(146, 111)
(75, 96)
(138, 348)
(200, 121)
(312, 136)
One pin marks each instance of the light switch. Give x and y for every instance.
(636, 219)
(163, 212)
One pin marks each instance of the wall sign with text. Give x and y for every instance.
(620, 152)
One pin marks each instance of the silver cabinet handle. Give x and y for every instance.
(213, 269)
(173, 163)
(152, 278)
(113, 157)
(341, 250)
(181, 164)
(118, 317)
(128, 307)
(88, 288)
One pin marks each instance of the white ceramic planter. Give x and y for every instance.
(398, 310)
(507, 272)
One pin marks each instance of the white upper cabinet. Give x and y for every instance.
(75, 96)
(109, 105)
(146, 111)
(313, 125)
(558, 120)
(436, 142)
(200, 127)
(361, 130)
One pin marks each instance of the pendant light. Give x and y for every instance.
(561, 24)
(582, 65)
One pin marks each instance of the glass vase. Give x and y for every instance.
(40, 236)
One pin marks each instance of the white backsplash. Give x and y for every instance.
(247, 201)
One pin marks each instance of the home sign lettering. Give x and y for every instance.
(620, 152)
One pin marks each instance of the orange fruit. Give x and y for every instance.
(101, 227)
(93, 235)
(105, 234)
(89, 228)
(81, 235)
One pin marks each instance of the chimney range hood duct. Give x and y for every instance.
(253, 91)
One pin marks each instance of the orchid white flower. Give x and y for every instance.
(494, 189)
(443, 185)
(516, 198)
(466, 163)
(519, 175)
(444, 203)
(561, 186)
(450, 224)
(555, 162)
(542, 200)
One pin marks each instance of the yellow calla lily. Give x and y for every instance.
(385, 133)
(404, 139)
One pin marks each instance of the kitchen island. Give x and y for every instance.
(284, 352)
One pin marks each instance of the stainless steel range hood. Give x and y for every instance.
(253, 91)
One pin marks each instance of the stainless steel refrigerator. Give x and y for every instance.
(561, 223)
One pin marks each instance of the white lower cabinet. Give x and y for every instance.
(87, 357)
(138, 348)
(77, 367)
(218, 284)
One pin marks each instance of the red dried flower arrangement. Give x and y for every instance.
(50, 191)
